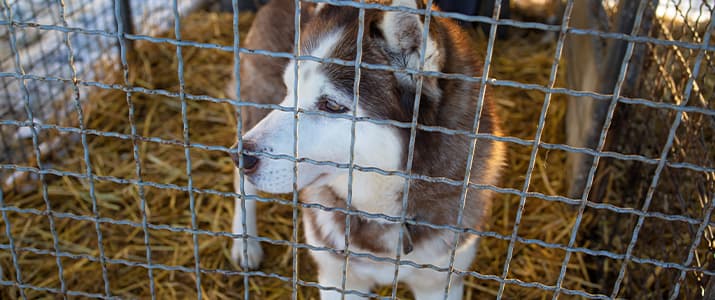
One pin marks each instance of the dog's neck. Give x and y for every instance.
(371, 192)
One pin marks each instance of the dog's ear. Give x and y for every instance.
(401, 36)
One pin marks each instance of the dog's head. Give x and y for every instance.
(390, 38)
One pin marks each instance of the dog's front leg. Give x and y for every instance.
(432, 289)
(330, 275)
(254, 254)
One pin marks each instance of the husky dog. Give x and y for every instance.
(390, 38)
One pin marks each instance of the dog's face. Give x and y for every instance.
(390, 39)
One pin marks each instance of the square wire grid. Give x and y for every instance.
(62, 27)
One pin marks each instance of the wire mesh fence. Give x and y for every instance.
(92, 186)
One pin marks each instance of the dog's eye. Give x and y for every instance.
(329, 105)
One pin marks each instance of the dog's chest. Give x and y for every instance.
(372, 193)
(323, 229)
(327, 227)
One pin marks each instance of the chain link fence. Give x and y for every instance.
(640, 136)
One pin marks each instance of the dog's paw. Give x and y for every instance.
(253, 256)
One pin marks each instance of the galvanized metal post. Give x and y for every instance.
(125, 13)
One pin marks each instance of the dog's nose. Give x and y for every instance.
(250, 162)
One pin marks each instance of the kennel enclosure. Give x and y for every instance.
(93, 110)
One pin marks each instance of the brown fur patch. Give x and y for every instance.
(262, 75)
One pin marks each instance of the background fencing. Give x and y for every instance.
(640, 209)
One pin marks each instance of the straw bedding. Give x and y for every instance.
(525, 57)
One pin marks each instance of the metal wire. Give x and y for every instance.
(491, 81)
(296, 69)
(602, 140)
(691, 251)
(473, 143)
(537, 139)
(85, 149)
(511, 191)
(587, 251)
(239, 139)
(663, 156)
(62, 26)
(411, 144)
(15, 263)
(351, 158)
(121, 36)
(187, 149)
(35, 143)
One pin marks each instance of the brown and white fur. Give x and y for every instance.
(391, 38)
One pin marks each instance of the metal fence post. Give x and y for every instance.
(125, 13)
